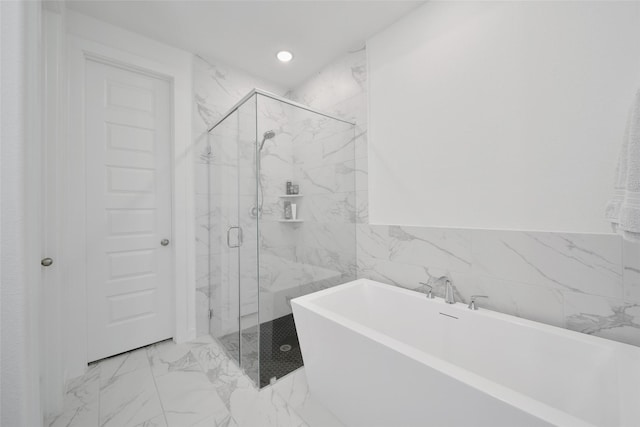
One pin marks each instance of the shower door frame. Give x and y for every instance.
(233, 203)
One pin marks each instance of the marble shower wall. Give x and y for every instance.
(298, 258)
(330, 167)
(277, 241)
(340, 89)
(324, 161)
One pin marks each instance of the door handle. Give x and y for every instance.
(164, 242)
(239, 236)
(46, 262)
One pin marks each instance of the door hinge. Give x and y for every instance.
(210, 314)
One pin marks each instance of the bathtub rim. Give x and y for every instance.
(502, 393)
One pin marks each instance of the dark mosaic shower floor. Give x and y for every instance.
(276, 337)
(279, 349)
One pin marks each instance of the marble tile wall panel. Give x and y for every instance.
(341, 80)
(341, 89)
(448, 249)
(568, 262)
(275, 238)
(202, 310)
(330, 245)
(202, 223)
(218, 87)
(329, 207)
(566, 280)
(224, 300)
(611, 318)
(631, 271)
(318, 147)
(332, 178)
(541, 304)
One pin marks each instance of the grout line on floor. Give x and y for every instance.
(164, 414)
(99, 393)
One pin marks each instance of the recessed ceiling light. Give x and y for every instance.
(284, 56)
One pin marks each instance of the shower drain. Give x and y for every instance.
(285, 347)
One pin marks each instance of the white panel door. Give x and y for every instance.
(128, 170)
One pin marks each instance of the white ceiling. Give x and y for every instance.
(247, 34)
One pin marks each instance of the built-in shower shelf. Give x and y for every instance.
(290, 220)
(286, 196)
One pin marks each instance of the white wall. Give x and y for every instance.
(88, 34)
(501, 115)
(54, 91)
(20, 212)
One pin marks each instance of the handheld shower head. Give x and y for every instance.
(256, 211)
(267, 135)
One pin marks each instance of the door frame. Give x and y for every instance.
(74, 222)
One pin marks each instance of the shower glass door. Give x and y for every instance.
(233, 253)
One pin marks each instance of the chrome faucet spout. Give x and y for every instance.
(449, 296)
(448, 293)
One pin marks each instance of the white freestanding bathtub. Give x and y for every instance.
(379, 355)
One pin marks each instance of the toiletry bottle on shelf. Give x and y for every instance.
(294, 211)
(287, 210)
(289, 187)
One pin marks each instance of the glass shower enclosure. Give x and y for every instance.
(282, 209)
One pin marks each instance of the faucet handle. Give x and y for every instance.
(430, 293)
(472, 304)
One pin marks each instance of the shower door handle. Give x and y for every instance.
(240, 237)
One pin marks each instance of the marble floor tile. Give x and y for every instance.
(159, 421)
(215, 421)
(264, 408)
(129, 399)
(167, 356)
(222, 372)
(189, 397)
(114, 367)
(80, 406)
(193, 384)
(294, 389)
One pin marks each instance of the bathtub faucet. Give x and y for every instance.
(430, 291)
(448, 290)
(472, 304)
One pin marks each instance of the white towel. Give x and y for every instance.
(624, 209)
